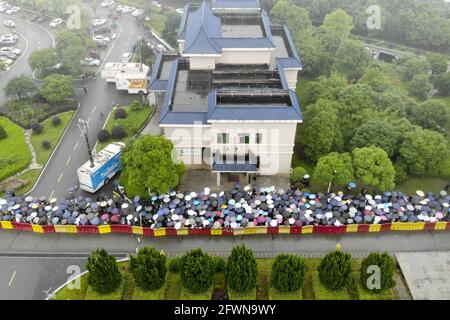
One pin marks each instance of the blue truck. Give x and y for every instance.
(106, 165)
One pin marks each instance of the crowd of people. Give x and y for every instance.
(243, 206)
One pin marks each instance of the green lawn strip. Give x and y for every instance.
(51, 134)
(365, 294)
(116, 295)
(322, 293)
(308, 287)
(173, 285)
(134, 121)
(264, 268)
(14, 153)
(74, 294)
(140, 294)
(30, 176)
(412, 184)
(274, 294)
(251, 295)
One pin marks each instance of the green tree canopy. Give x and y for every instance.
(420, 86)
(288, 273)
(148, 166)
(70, 48)
(327, 87)
(432, 114)
(43, 60)
(352, 59)
(373, 167)
(376, 79)
(442, 83)
(438, 63)
(196, 271)
(338, 23)
(335, 269)
(20, 87)
(386, 265)
(57, 88)
(413, 66)
(424, 150)
(379, 133)
(296, 18)
(104, 275)
(149, 268)
(240, 271)
(334, 167)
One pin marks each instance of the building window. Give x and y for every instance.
(222, 138)
(244, 138)
(258, 138)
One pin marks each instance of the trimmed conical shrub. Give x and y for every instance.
(149, 269)
(335, 269)
(104, 275)
(288, 273)
(196, 271)
(240, 271)
(377, 272)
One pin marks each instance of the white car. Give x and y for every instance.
(137, 12)
(4, 7)
(126, 57)
(107, 3)
(6, 61)
(13, 50)
(9, 23)
(156, 4)
(90, 62)
(119, 8)
(179, 10)
(12, 10)
(127, 9)
(98, 22)
(56, 22)
(101, 40)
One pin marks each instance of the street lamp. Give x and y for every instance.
(332, 180)
(83, 126)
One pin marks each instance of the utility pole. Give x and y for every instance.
(83, 126)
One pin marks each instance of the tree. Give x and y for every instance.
(438, 63)
(104, 275)
(240, 271)
(379, 133)
(335, 270)
(313, 53)
(70, 47)
(148, 166)
(103, 135)
(373, 167)
(288, 273)
(334, 167)
(339, 23)
(413, 66)
(3, 133)
(295, 17)
(321, 134)
(56, 121)
(442, 83)
(20, 87)
(149, 269)
(420, 86)
(351, 59)
(432, 114)
(196, 271)
(298, 173)
(57, 88)
(120, 113)
(376, 79)
(43, 60)
(423, 150)
(386, 265)
(326, 88)
(118, 132)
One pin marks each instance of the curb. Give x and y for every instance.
(54, 150)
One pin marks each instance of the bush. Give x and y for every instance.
(387, 267)
(219, 264)
(3, 133)
(37, 128)
(196, 271)
(46, 144)
(174, 264)
(117, 132)
(104, 275)
(56, 121)
(136, 106)
(149, 269)
(298, 173)
(120, 113)
(288, 273)
(335, 269)
(103, 135)
(240, 271)
(401, 171)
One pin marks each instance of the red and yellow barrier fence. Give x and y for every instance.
(166, 232)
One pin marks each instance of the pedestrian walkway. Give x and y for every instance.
(152, 126)
(427, 274)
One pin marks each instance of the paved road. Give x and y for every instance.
(60, 172)
(37, 38)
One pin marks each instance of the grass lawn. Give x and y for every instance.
(30, 176)
(251, 295)
(425, 184)
(275, 295)
(74, 294)
(14, 153)
(116, 295)
(173, 285)
(365, 294)
(139, 294)
(322, 293)
(131, 124)
(51, 134)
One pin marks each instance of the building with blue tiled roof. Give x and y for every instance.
(227, 97)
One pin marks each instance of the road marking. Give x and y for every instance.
(60, 177)
(93, 110)
(75, 147)
(51, 195)
(12, 278)
(68, 161)
(88, 120)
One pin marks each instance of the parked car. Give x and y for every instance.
(179, 10)
(6, 61)
(137, 12)
(13, 50)
(107, 3)
(4, 6)
(98, 22)
(156, 4)
(8, 39)
(90, 62)
(9, 55)
(9, 23)
(56, 22)
(126, 57)
(101, 40)
(12, 10)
